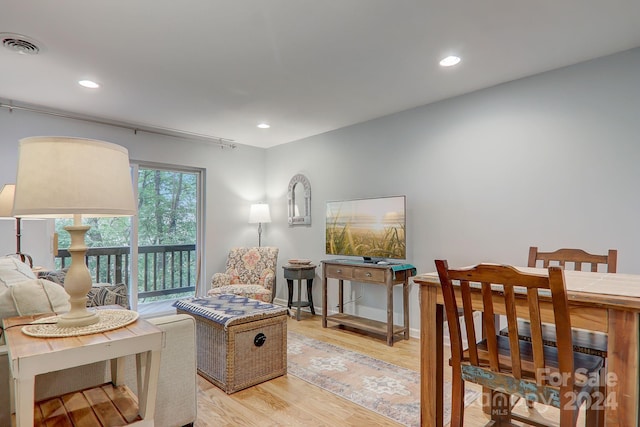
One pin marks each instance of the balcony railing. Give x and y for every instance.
(162, 269)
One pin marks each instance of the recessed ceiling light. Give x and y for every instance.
(88, 83)
(450, 61)
(264, 125)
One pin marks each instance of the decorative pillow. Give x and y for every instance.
(108, 294)
(12, 270)
(56, 276)
(32, 297)
(100, 293)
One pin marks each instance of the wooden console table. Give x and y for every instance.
(388, 275)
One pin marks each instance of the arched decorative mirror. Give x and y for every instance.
(299, 200)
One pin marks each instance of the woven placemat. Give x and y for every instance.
(109, 319)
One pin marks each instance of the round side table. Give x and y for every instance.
(300, 272)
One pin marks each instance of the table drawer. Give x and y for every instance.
(339, 272)
(369, 274)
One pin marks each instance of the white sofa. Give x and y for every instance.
(177, 388)
(23, 294)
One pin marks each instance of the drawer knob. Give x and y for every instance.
(368, 274)
(338, 271)
(259, 340)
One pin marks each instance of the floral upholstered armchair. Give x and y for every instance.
(251, 272)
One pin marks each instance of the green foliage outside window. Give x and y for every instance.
(167, 215)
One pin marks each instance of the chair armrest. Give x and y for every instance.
(268, 280)
(220, 279)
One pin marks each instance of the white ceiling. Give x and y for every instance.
(219, 67)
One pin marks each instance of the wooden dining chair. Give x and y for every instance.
(587, 342)
(583, 341)
(509, 366)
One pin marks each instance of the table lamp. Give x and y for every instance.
(6, 207)
(258, 214)
(63, 177)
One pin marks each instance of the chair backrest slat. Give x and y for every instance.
(489, 325)
(536, 331)
(512, 323)
(576, 256)
(467, 306)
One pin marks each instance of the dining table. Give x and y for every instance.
(601, 302)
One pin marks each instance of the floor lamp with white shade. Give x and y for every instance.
(6, 209)
(64, 177)
(259, 214)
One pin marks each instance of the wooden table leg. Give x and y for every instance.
(299, 299)
(389, 314)
(324, 300)
(431, 358)
(310, 295)
(340, 296)
(621, 404)
(405, 307)
(290, 289)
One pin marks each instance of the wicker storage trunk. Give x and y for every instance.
(238, 348)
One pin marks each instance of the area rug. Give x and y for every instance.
(389, 390)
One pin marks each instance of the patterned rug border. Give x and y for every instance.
(408, 415)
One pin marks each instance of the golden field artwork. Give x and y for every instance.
(367, 228)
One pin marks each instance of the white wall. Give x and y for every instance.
(551, 160)
(234, 178)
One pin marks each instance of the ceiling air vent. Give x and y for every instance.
(20, 44)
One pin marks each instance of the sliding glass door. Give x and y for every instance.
(167, 233)
(164, 239)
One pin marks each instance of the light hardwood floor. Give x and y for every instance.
(289, 401)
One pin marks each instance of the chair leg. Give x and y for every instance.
(595, 411)
(568, 413)
(457, 400)
(500, 407)
(594, 418)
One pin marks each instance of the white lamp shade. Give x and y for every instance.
(6, 200)
(62, 176)
(259, 213)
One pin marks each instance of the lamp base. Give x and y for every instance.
(77, 283)
(77, 319)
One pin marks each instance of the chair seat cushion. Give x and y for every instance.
(248, 290)
(587, 342)
(587, 368)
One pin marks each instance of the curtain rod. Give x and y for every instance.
(222, 142)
